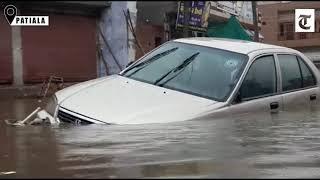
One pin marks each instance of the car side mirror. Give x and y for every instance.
(131, 62)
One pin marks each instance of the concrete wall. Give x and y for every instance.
(18, 43)
(5, 52)
(114, 27)
(153, 11)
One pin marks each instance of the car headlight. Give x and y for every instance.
(52, 105)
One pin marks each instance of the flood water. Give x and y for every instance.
(283, 145)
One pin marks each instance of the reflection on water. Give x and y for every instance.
(255, 146)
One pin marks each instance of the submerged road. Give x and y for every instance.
(283, 145)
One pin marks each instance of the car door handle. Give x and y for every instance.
(313, 97)
(274, 105)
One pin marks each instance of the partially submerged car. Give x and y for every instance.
(193, 78)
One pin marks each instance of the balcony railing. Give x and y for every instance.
(297, 36)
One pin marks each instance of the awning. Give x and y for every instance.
(231, 29)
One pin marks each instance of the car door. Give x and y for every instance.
(299, 87)
(259, 91)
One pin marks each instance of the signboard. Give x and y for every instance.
(199, 13)
(228, 6)
(241, 9)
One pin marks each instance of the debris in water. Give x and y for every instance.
(42, 116)
(7, 173)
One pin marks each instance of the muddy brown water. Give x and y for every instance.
(283, 145)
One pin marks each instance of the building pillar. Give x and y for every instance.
(115, 30)
(17, 56)
(132, 7)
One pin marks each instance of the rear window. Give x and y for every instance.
(308, 78)
(295, 73)
(290, 72)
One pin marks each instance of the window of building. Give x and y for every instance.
(302, 35)
(290, 72)
(256, 82)
(317, 26)
(289, 31)
(290, 12)
(281, 30)
(286, 31)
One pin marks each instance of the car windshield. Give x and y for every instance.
(197, 70)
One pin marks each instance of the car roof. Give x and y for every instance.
(235, 45)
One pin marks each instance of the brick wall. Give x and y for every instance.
(272, 17)
(146, 34)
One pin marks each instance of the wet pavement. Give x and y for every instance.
(283, 145)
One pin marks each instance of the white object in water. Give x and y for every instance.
(6, 173)
(43, 115)
(20, 123)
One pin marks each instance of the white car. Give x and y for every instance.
(193, 78)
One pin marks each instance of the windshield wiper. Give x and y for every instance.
(153, 58)
(182, 66)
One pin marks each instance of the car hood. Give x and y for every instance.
(121, 100)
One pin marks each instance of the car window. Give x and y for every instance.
(202, 71)
(260, 79)
(308, 78)
(290, 72)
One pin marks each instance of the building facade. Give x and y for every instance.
(71, 46)
(220, 11)
(278, 27)
(151, 23)
(156, 20)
